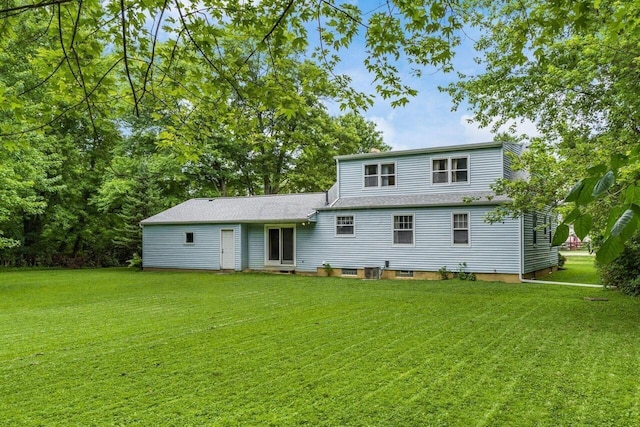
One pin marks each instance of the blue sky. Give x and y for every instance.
(427, 121)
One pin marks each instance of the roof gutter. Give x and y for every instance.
(416, 205)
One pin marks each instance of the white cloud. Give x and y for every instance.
(473, 133)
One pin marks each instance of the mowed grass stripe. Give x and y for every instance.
(117, 347)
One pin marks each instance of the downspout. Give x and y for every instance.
(544, 282)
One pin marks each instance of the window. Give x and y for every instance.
(460, 170)
(380, 175)
(349, 272)
(460, 227)
(440, 171)
(345, 226)
(403, 229)
(404, 273)
(450, 170)
(189, 238)
(388, 175)
(371, 175)
(535, 228)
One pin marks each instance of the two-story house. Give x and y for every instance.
(392, 214)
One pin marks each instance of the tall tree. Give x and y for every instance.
(570, 67)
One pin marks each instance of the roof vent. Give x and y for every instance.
(211, 200)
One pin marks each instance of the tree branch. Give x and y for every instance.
(126, 60)
(204, 55)
(66, 110)
(273, 28)
(153, 51)
(23, 8)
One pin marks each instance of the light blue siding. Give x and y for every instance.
(163, 246)
(413, 173)
(494, 247)
(540, 255)
(244, 242)
(510, 149)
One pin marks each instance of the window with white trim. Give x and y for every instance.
(450, 170)
(440, 168)
(189, 238)
(345, 226)
(371, 175)
(403, 230)
(460, 229)
(460, 169)
(380, 175)
(388, 175)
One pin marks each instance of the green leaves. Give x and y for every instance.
(603, 184)
(561, 235)
(582, 225)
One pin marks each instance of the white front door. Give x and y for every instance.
(227, 250)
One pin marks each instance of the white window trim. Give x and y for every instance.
(413, 238)
(379, 175)
(335, 227)
(184, 240)
(450, 171)
(271, 263)
(461, 245)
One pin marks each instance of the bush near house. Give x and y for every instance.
(624, 271)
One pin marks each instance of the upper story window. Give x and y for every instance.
(189, 237)
(345, 226)
(380, 175)
(450, 170)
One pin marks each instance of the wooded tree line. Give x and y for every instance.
(76, 177)
(164, 99)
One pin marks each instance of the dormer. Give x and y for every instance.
(459, 168)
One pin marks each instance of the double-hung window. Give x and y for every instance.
(450, 170)
(380, 175)
(403, 230)
(371, 175)
(460, 229)
(345, 226)
(189, 238)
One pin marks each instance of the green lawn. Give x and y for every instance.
(115, 347)
(577, 269)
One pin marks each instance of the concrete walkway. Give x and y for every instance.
(577, 253)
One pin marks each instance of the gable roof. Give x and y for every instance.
(270, 208)
(418, 200)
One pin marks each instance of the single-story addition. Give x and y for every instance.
(394, 214)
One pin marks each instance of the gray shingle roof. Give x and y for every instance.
(300, 207)
(439, 199)
(271, 208)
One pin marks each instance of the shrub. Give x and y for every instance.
(444, 273)
(462, 273)
(135, 262)
(327, 268)
(561, 260)
(624, 271)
